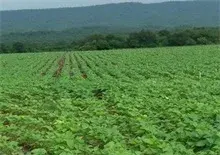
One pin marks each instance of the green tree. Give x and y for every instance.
(164, 33)
(4, 48)
(18, 47)
(179, 38)
(142, 39)
(102, 45)
(203, 41)
(190, 41)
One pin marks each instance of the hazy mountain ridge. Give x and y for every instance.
(133, 15)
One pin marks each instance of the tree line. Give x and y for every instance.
(141, 39)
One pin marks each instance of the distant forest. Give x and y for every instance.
(111, 26)
(140, 39)
(197, 13)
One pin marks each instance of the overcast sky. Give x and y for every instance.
(35, 4)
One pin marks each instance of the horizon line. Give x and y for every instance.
(165, 1)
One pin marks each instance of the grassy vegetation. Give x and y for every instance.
(160, 101)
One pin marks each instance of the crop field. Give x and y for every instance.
(160, 101)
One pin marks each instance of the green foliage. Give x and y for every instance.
(105, 41)
(18, 47)
(190, 41)
(203, 41)
(180, 37)
(3, 48)
(142, 39)
(100, 42)
(162, 101)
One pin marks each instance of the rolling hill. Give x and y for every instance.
(123, 15)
